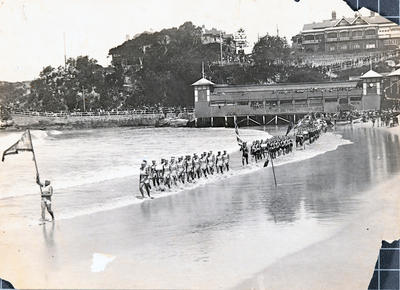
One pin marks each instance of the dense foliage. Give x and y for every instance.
(159, 68)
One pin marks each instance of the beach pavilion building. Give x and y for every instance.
(221, 104)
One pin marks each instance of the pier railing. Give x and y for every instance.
(102, 113)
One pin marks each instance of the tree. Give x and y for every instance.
(45, 92)
(271, 50)
(305, 74)
(271, 56)
(161, 66)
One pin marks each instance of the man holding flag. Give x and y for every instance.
(242, 145)
(46, 193)
(25, 144)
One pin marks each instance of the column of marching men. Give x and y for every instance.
(166, 174)
(188, 169)
(269, 148)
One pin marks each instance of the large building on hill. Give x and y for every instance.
(348, 34)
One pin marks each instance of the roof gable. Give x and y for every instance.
(359, 21)
(203, 82)
(396, 73)
(371, 74)
(342, 22)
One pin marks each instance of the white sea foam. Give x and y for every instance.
(72, 162)
(54, 132)
(327, 142)
(90, 156)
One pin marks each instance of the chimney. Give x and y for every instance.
(333, 15)
(372, 13)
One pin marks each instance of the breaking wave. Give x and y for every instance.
(327, 142)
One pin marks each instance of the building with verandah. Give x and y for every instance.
(220, 104)
(348, 34)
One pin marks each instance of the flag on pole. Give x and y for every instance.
(239, 140)
(23, 144)
(304, 120)
(290, 127)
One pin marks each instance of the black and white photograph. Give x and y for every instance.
(230, 144)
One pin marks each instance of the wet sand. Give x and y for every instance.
(345, 260)
(209, 237)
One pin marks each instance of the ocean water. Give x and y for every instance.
(80, 157)
(213, 234)
(97, 170)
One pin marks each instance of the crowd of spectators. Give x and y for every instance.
(142, 110)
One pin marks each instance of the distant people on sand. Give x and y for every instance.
(181, 170)
(388, 118)
(190, 168)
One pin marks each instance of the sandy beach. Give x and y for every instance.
(347, 259)
(238, 232)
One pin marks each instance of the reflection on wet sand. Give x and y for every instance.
(219, 234)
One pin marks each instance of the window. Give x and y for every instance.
(357, 33)
(390, 42)
(309, 37)
(355, 99)
(332, 48)
(315, 101)
(331, 100)
(331, 35)
(344, 34)
(256, 104)
(301, 102)
(242, 103)
(286, 102)
(217, 103)
(370, 46)
(370, 32)
(271, 103)
(356, 46)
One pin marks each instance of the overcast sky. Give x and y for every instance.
(31, 31)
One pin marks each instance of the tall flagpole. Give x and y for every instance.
(65, 52)
(220, 45)
(34, 159)
(273, 168)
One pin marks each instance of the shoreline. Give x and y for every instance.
(50, 262)
(380, 222)
(236, 170)
(357, 260)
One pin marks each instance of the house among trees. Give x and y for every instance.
(214, 35)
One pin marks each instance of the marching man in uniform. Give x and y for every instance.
(47, 192)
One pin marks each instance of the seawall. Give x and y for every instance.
(21, 121)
